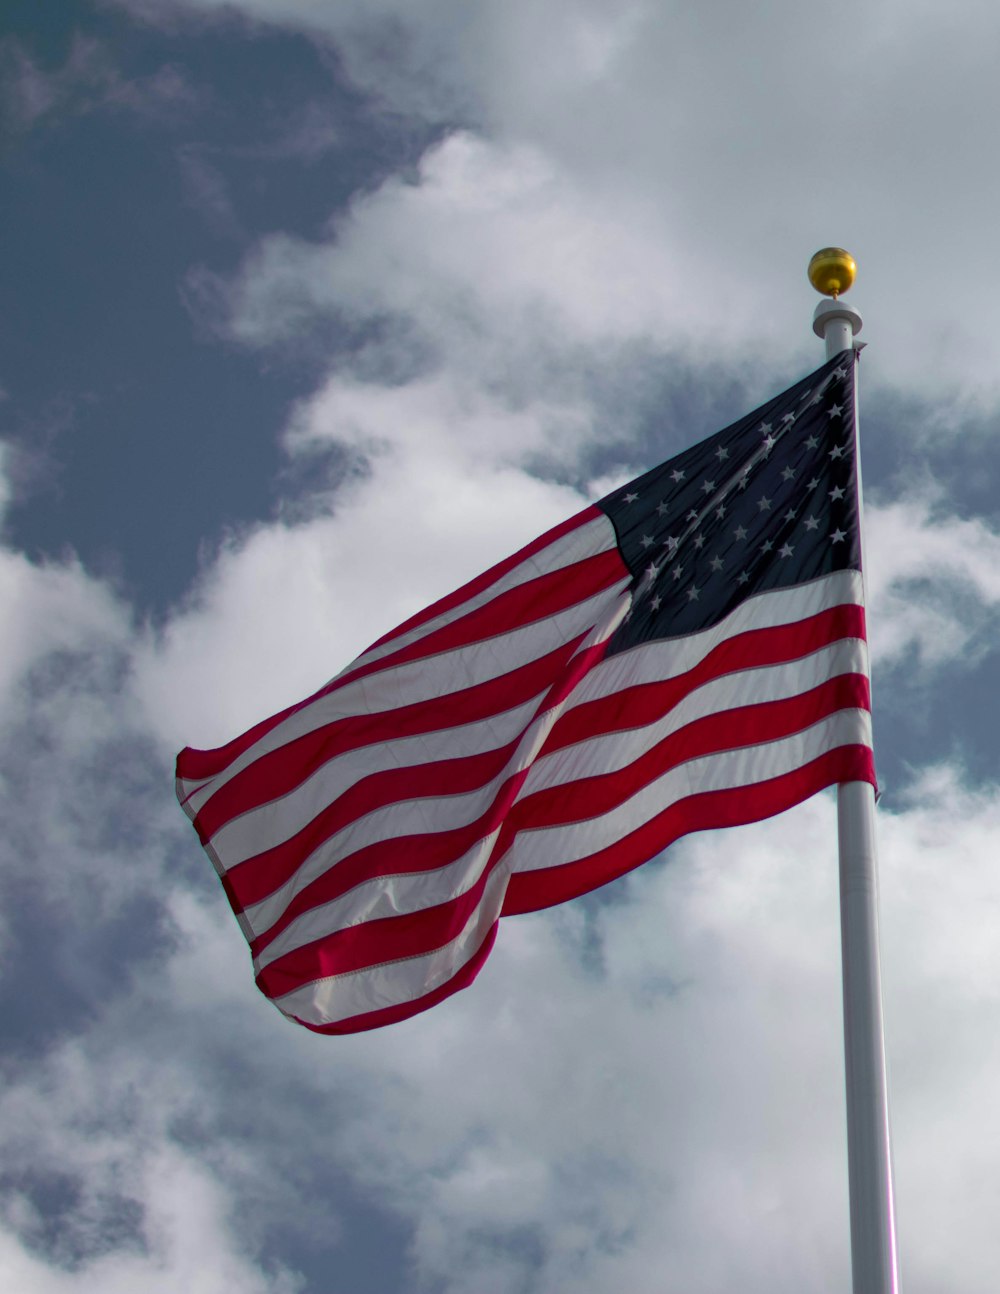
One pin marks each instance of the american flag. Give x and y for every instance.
(688, 653)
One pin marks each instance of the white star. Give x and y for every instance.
(745, 479)
(834, 411)
(677, 572)
(764, 503)
(676, 475)
(838, 451)
(740, 532)
(840, 372)
(789, 418)
(716, 563)
(813, 483)
(656, 602)
(693, 594)
(699, 542)
(721, 453)
(708, 486)
(671, 542)
(790, 514)
(785, 550)
(837, 492)
(720, 511)
(838, 536)
(765, 429)
(768, 444)
(788, 474)
(662, 509)
(630, 498)
(742, 577)
(766, 546)
(652, 570)
(646, 541)
(812, 442)
(812, 523)
(692, 515)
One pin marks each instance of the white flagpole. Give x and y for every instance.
(874, 1261)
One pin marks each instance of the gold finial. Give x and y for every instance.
(832, 271)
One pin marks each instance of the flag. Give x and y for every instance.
(687, 653)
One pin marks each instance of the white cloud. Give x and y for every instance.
(285, 608)
(696, 158)
(489, 237)
(672, 1117)
(50, 608)
(147, 1213)
(933, 583)
(6, 493)
(642, 1092)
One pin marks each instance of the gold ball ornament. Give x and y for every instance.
(832, 271)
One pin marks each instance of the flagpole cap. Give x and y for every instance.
(832, 271)
(831, 310)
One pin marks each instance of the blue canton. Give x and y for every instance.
(769, 502)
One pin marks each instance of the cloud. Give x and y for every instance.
(933, 583)
(642, 1089)
(88, 79)
(48, 609)
(491, 247)
(100, 1195)
(705, 166)
(440, 497)
(207, 191)
(528, 1131)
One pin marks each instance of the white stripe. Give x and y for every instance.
(274, 822)
(588, 540)
(383, 896)
(413, 816)
(338, 997)
(743, 767)
(593, 537)
(404, 893)
(763, 611)
(611, 751)
(426, 678)
(256, 831)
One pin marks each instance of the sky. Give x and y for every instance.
(311, 312)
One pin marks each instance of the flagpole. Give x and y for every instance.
(874, 1262)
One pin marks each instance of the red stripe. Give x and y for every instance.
(445, 777)
(387, 939)
(280, 771)
(200, 765)
(635, 707)
(629, 708)
(530, 891)
(415, 934)
(481, 582)
(250, 882)
(534, 600)
(393, 1014)
(712, 734)
(398, 856)
(412, 934)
